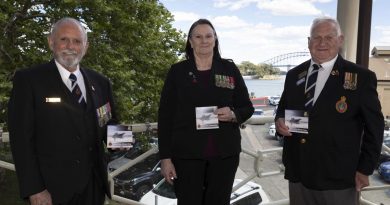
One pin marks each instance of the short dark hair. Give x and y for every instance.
(190, 51)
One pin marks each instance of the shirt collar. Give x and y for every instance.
(327, 65)
(65, 73)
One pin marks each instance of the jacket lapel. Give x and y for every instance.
(90, 88)
(300, 81)
(58, 84)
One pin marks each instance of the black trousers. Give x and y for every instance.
(205, 181)
(93, 194)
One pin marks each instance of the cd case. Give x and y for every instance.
(206, 118)
(297, 121)
(119, 136)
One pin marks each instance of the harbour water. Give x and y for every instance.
(262, 88)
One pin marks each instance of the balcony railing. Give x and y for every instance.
(258, 171)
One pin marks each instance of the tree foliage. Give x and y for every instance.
(260, 70)
(131, 42)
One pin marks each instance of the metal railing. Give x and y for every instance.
(258, 172)
(258, 158)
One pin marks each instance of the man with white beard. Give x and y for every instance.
(57, 117)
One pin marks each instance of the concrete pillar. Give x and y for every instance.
(348, 16)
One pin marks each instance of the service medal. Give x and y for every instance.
(341, 105)
(231, 82)
(104, 114)
(218, 81)
(350, 81)
(223, 81)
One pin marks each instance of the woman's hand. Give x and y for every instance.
(168, 170)
(225, 114)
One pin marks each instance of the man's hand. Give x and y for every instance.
(168, 170)
(281, 127)
(361, 181)
(41, 198)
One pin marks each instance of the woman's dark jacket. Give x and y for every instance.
(182, 93)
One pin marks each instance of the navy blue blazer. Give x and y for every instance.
(345, 127)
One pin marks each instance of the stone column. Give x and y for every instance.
(348, 16)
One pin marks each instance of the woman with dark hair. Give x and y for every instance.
(203, 102)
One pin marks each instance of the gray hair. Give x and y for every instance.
(66, 20)
(323, 19)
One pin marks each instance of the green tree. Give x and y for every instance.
(267, 69)
(247, 68)
(260, 70)
(132, 42)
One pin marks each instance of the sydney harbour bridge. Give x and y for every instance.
(288, 60)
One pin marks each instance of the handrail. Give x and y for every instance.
(124, 167)
(258, 156)
(4, 137)
(7, 165)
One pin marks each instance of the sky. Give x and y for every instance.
(258, 30)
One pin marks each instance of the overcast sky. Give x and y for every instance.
(257, 30)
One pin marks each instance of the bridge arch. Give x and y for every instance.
(287, 60)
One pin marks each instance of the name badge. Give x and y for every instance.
(53, 100)
(300, 81)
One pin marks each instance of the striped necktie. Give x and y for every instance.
(310, 87)
(76, 92)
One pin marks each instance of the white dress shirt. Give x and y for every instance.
(65, 78)
(323, 74)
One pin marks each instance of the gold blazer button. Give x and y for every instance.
(303, 141)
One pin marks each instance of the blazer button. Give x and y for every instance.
(303, 141)
(78, 137)
(90, 149)
(77, 161)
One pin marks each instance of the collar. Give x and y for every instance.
(328, 66)
(65, 73)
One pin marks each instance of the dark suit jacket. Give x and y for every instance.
(339, 143)
(50, 141)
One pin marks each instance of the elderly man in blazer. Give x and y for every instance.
(331, 162)
(58, 113)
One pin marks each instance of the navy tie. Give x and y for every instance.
(310, 87)
(76, 92)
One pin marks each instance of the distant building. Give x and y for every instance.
(379, 62)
